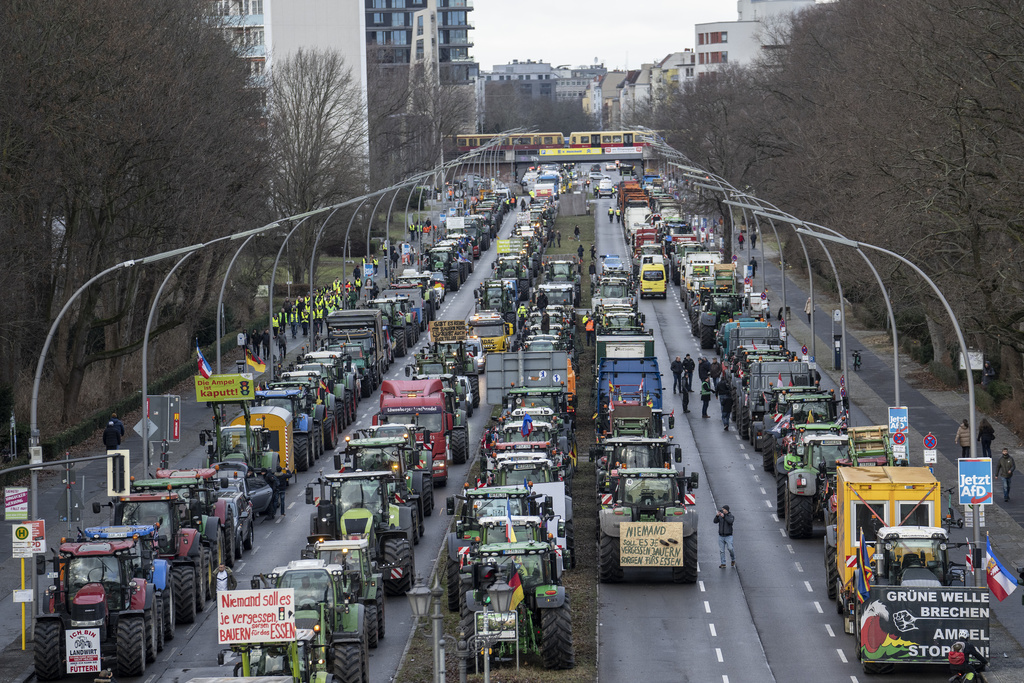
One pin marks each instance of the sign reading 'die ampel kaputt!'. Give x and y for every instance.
(225, 388)
(259, 616)
(920, 624)
(651, 544)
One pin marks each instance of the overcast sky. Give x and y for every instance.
(619, 33)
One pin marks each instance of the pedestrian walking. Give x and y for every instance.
(576, 234)
(112, 433)
(986, 435)
(265, 342)
(753, 240)
(593, 252)
(725, 519)
(579, 252)
(589, 326)
(282, 345)
(725, 402)
(753, 266)
(705, 397)
(739, 238)
(963, 439)
(225, 579)
(593, 276)
(677, 375)
(282, 483)
(558, 237)
(686, 401)
(688, 366)
(1005, 470)
(988, 373)
(542, 301)
(807, 310)
(272, 482)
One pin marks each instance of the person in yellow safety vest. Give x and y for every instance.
(522, 316)
(618, 215)
(293, 320)
(304, 319)
(375, 264)
(359, 284)
(611, 213)
(277, 323)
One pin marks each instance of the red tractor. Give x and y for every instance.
(96, 590)
(425, 404)
(190, 556)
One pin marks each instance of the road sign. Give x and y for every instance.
(83, 650)
(259, 616)
(23, 595)
(899, 449)
(899, 438)
(929, 442)
(118, 473)
(931, 456)
(153, 429)
(803, 349)
(764, 296)
(974, 481)
(899, 419)
(29, 538)
(746, 281)
(165, 412)
(15, 503)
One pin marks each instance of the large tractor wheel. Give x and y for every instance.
(349, 662)
(301, 442)
(707, 337)
(49, 649)
(743, 420)
(170, 609)
(371, 616)
(381, 615)
(131, 645)
(397, 553)
(799, 516)
(474, 386)
(768, 453)
(184, 587)
(609, 568)
(151, 633)
(688, 572)
(230, 540)
(556, 637)
(366, 386)
(459, 446)
(399, 346)
(452, 576)
(158, 610)
(330, 431)
(831, 570)
(570, 542)
(428, 495)
(781, 490)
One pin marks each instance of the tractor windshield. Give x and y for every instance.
(533, 570)
(431, 368)
(912, 560)
(280, 402)
(233, 441)
(537, 401)
(359, 493)
(312, 587)
(830, 452)
(373, 459)
(151, 512)
(810, 412)
(495, 507)
(724, 304)
(648, 492)
(515, 435)
(613, 290)
(270, 660)
(101, 569)
(561, 271)
(489, 329)
(516, 474)
(638, 455)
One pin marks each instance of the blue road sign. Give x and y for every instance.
(899, 419)
(974, 481)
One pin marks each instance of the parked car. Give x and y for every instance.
(242, 509)
(476, 349)
(241, 478)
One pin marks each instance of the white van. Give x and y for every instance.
(606, 188)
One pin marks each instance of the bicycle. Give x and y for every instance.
(953, 515)
(856, 360)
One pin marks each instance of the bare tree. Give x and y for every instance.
(318, 128)
(115, 146)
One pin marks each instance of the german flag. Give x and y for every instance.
(517, 588)
(254, 361)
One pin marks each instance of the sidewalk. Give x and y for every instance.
(938, 412)
(90, 485)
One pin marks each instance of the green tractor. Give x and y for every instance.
(796, 407)
(397, 454)
(630, 452)
(806, 475)
(457, 361)
(647, 502)
(398, 318)
(542, 612)
(716, 308)
(368, 504)
(362, 578)
(341, 378)
(328, 602)
(301, 660)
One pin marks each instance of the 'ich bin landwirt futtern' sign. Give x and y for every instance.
(83, 650)
(259, 616)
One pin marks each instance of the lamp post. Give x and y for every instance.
(420, 600)
(501, 597)
(973, 411)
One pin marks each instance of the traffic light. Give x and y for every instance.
(118, 473)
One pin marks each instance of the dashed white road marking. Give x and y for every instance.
(718, 653)
(790, 549)
(842, 656)
(291, 505)
(702, 588)
(769, 503)
(799, 568)
(750, 465)
(707, 607)
(828, 627)
(714, 633)
(808, 584)
(776, 518)
(817, 606)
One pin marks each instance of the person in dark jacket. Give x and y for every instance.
(724, 519)
(725, 401)
(542, 301)
(688, 366)
(705, 397)
(677, 375)
(986, 434)
(274, 483)
(545, 323)
(112, 434)
(703, 368)
(716, 373)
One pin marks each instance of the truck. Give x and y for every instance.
(650, 523)
(491, 329)
(891, 517)
(624, 382)
(744, 331)
(365, 327)
(425, 404)
(754, 387)
(504, 371)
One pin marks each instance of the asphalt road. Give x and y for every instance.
(769, 618)
(194, 650)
